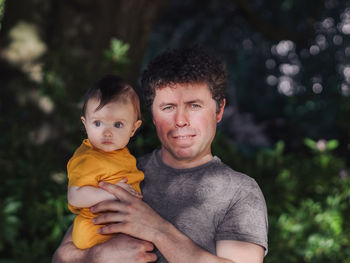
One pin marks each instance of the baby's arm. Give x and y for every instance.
(86, 196)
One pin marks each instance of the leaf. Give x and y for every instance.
(310, 143)
(332, 144)
(12, 207)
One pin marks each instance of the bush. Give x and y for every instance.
(308, 200)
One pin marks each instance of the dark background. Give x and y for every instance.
(285, 124)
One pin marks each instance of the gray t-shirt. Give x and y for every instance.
(207, 203)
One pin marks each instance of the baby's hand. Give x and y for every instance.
(123, 184)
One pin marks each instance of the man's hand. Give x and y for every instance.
(128, 215)
(123, 248)
(123, 184)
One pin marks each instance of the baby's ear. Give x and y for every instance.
(83, 120)
(137, 125)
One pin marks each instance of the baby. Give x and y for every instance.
(111, 116)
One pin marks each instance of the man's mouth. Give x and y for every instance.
(184, 134)
(107, 142)
(183, 137)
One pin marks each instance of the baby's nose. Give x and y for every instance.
(107, 133)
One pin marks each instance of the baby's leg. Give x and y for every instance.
(85, 233)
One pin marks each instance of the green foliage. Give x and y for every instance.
(117, 55)
(9, 221)
(2, 6)
(308, 199)
(322, 145)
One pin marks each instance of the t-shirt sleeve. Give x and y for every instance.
(84, 170)
(246, 217)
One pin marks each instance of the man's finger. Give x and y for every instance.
(108, 206)
(150, 257)
(112, 229)
(106, 218)
(148, 246)
(124, 180)
(116, 190)
(130, 189)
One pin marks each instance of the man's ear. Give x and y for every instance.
(137, 125)
(220, 111)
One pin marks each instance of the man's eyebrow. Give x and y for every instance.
(194, 101)
(166, 104)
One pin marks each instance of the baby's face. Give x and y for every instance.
(111, 127)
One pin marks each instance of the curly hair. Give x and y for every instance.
(180, 66)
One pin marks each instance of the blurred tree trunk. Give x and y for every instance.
(75, 33)
(50, 53)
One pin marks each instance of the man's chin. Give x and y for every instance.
(184, 154)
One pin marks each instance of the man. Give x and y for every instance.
(195, 208)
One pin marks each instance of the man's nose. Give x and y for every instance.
(181, 118)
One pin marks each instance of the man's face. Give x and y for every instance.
(185, 117)
(111, 127)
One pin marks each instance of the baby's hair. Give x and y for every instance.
(112, 88)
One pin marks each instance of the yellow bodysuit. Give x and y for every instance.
(89, 166)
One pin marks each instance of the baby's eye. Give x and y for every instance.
(118, 124)
(97, 123)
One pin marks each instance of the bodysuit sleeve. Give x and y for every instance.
(85, 170)
(246, 217)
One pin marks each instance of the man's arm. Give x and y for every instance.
(121, 248)
(240, 251)
(67, 252)
(179, 248)
(134, 217)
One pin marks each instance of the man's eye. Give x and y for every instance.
(97, 123)
(118, 124)
(195, 106)
(167, 108)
